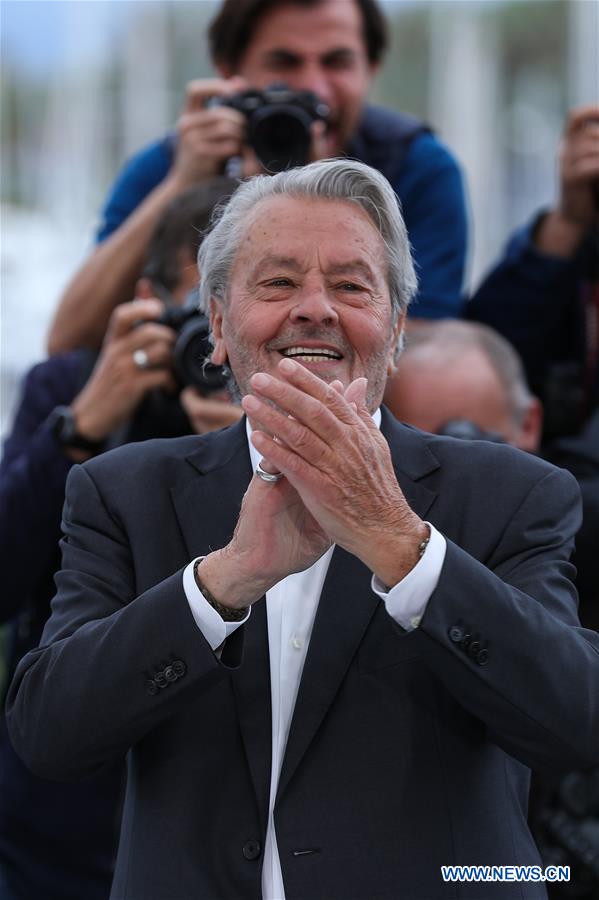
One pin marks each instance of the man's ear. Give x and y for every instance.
(529, 436)
(219, 354)
(396, 344)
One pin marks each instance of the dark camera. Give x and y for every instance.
(192, 349)
(278, 123)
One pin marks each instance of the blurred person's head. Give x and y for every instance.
(171, 258)
(329, 47)
(460, 371)
(312, 263)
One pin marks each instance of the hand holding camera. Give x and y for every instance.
(269, 130)
(207, 136)
(279, 123)
(118, 383)
(562, 231)
(579, 168)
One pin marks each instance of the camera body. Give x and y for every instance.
(191, 352)
(278, 123)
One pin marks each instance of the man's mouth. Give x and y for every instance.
(311, 354)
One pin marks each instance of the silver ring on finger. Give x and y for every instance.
(268, 476)
(141, 359)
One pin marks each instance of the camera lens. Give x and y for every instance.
(280, 136)
(190, 354)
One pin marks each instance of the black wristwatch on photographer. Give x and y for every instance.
(61, 423)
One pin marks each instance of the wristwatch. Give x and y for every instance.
(61, 423)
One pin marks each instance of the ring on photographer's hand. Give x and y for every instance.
(268, 476)
(141, 359)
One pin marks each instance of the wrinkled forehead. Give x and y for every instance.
(296, 226)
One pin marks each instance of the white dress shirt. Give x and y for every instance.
(290, 608)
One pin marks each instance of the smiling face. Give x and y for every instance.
(308, 281)
(319, 48)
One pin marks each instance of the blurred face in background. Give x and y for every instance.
(319, 48)
(429, 392)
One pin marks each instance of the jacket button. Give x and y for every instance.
(160, 679)
(473, 649)
(179, 668)
(251, 849)
(465, 642)
(482, 657)
(456, 634)
(151, 688)
(170, 674)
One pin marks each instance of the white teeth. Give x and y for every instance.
(311, 354)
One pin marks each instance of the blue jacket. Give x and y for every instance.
(535, 301)
(422, 172)
(57, 841)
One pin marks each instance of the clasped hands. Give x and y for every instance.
(339, 487)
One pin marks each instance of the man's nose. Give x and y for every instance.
(314, 77)
(314, 305)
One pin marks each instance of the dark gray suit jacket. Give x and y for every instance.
(406, 751)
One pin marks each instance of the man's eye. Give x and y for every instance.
(338, 63)
(279, 282)
(349, 286)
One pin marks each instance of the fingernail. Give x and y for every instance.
(260, 380)
(250, 403)
(288, 365)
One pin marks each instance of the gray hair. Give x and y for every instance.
(448, 339)
(329, 179)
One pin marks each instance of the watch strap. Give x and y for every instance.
(62, 424)
(227, 613)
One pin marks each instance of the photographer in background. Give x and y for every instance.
(329, 48)
(544, 294)
(465, 380)
(58, 841)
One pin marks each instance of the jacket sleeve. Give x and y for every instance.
(138, 178)
(111, 665)
(505, 640)
(532, 300)
(433, 202)
(33, 475)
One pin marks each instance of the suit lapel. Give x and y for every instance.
(347, 603)
(207, 499)
(207, 495)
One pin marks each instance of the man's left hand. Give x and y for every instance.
(332, 453)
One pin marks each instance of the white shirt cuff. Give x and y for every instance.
(214, 629)
(406, 602)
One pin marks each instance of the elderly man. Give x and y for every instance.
(320, 694)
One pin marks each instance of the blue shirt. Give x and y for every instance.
(427, 181)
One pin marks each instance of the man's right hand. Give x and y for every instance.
(117, 385)
(275, 536)
(207, 137)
